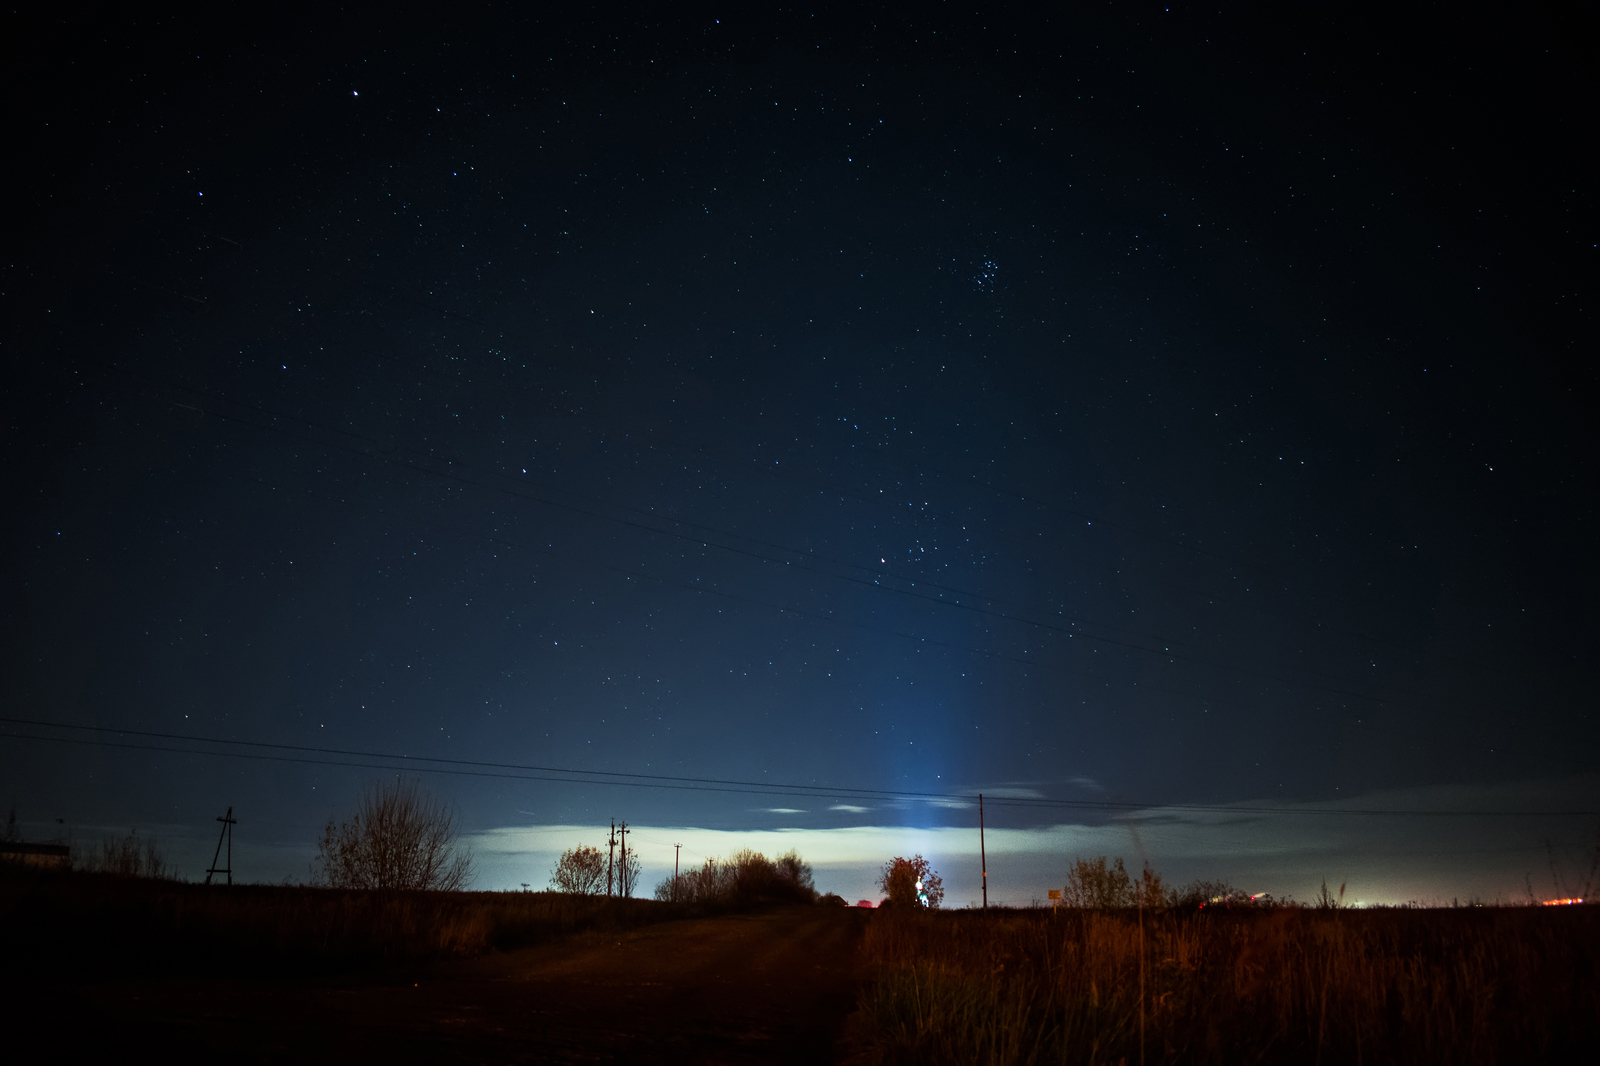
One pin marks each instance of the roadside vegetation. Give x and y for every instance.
(1137, 972)
(400, 839)
(387, 888)
(129, 856)
(747, 878)
(61, 919)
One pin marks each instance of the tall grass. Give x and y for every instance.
(131, 856)
(63, 919)
(1286, 985)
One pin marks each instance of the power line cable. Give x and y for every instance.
(572, 775)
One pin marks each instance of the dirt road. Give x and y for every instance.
(768, 987)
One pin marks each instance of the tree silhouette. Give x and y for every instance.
(400, 839)
(899, 882)
(582, 870)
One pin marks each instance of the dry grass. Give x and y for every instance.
(131, 856)
(63, 920)
(1286, 985)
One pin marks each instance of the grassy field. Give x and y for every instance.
(1090, 986)
(1286, 985)
(57, 920)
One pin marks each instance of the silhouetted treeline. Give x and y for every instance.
(745, 878)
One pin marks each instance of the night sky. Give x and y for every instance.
(1141, 406)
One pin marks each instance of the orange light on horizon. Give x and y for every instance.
(1561, 902)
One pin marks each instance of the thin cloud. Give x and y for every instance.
(782, 810)
(852, 808)
(1086, 782)
(1384, 860)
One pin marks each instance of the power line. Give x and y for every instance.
(572, 775)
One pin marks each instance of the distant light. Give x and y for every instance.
(1561, 902)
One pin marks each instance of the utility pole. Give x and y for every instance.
(228, 823)
(983, 856)
(675, 849)
(611, 852)
(622, 871)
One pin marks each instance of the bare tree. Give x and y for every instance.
(400, 839)
(581, 870)
(627, 873)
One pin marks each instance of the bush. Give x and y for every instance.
(746, 878)
(1096, 884)
(582, 871)
(128, 857)
(1101, 884)
(1198, 895)
(400, 839)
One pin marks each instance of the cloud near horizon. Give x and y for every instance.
(1383, 859)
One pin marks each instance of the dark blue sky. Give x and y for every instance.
(1158, 405)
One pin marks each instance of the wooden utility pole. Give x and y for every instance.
(228, 823)
(675, 849)
(611, 853)
(622, 871)
(983, 855)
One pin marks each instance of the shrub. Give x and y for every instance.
(1101, 884)
(1096, 884)
(400, 839)
(128, 857)
(1198, 894)
(746, 878)
(582, 870)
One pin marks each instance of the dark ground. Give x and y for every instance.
(765, 987)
